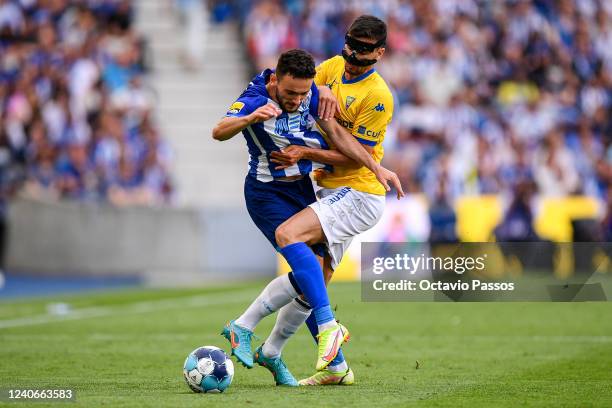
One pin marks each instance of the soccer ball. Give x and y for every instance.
(208, 369)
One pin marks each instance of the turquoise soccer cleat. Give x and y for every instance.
(240, 342)
(277, 367)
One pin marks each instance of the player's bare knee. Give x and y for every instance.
(284, 236)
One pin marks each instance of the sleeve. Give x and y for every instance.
(245, 105)
(314, 101)
(322, 72)
(373, 118)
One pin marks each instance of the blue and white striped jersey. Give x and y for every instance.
(298, 128)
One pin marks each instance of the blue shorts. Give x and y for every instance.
(271, 204)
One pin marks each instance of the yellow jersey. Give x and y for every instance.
(366, 108)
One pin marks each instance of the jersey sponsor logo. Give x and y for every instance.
(379, 108)
(349, 101)
(291, 123)
(235, 108)
(344, 123)
(362, 130)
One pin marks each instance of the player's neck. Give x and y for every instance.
(271, 89)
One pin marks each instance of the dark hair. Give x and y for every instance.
(297, 63)
(369, 27)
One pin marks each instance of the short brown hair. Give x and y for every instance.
(297, 63)
(370, 27)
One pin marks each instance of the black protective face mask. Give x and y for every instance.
(356, 47)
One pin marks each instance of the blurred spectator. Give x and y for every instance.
(442, 218)
(607, 220)
(517, 224)
(268, 31)
(193, 17)
(554, 168)
(73, 103)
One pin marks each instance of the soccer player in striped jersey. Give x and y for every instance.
(277, 110)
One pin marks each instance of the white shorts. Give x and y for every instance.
(345, 213)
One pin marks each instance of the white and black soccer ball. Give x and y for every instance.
(208, 369)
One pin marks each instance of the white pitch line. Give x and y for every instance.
(132, 308)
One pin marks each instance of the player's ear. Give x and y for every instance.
(380, 52)
(273, 79)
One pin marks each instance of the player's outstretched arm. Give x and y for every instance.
(229, 127)
(290, 155)
(346, 143)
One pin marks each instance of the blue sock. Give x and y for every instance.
(312, 326)
(314, 330)
(323, 314)
(309, 276)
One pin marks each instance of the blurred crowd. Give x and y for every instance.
(76, 115)
(512, 97)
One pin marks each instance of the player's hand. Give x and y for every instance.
(287, 157)
(386, 177)
(328, 104)
(264, 113)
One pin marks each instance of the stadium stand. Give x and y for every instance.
(510, 98)
(76, 114)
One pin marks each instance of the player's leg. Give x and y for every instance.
(339, 363)
(342, 214)
(338, 371)
(289, 318)
(278, 293)
(268, 355)
(294, 237)
(268, 204)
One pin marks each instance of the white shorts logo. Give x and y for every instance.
(338, 196)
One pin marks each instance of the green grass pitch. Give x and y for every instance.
(127, 348)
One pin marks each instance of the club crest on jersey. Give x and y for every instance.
(349, 101)
(235, 108)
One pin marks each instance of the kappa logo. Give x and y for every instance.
(379, 108)
(235, 108)
(349, 101)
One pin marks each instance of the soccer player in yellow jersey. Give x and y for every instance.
(351, 200)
